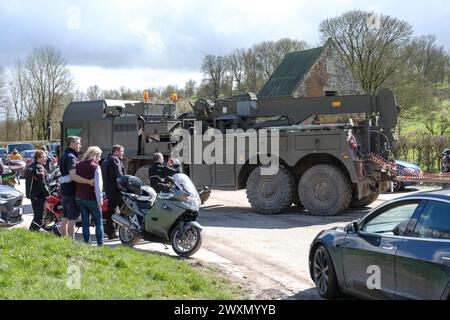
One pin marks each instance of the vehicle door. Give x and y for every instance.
(423, 258)
(369, 254)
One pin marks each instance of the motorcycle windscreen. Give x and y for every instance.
(185, 184)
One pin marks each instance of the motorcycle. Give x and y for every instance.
(167, 218)
(9, 175)
(53, 207)
(445, 165)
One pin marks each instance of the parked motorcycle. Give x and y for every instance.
(10, 172)
(53, 207)
(167, 218)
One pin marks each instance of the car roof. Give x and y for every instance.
(442, 194)
(406, 163)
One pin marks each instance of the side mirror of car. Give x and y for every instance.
(352, 228)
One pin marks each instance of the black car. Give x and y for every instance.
(10, 206)
(400, 250)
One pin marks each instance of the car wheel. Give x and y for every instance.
(324, 275)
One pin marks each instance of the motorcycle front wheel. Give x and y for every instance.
(127, 237)
(186, 240)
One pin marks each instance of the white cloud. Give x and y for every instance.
(130, 78)
(152, 35)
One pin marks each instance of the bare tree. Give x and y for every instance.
(2, 89)
(190, 88)
(371, 44)
(428, 59)
(252, 79)
(94, 93)
(213, 68)
(20, 98)
(236, 66)
(49, 81)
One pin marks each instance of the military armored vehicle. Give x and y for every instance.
(324, 167)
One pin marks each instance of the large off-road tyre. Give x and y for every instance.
(324, 190)
(270, 194)
(364, 202)
(186, 240)
(324, 275)
(142, 174)
(128, 237)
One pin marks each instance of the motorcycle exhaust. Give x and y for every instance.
(124, 222)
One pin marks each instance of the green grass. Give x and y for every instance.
(39, 266)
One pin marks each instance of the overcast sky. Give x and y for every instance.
(140, 44)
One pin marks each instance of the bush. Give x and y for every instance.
(422, 149)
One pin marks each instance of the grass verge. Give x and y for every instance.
(40, 266)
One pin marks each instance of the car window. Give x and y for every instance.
(434, 222)
(391, 221)
(19, 147)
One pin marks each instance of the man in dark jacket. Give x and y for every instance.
(112, 168)
(67, 166)
(158, 173)
(37, 190)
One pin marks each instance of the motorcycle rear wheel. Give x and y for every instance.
(186, 240)
(48, 221)
(127, 237)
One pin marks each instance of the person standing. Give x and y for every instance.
(112, 168)
(67, 165)
(36, 187)
(15, 156)
(49, 165)
(89, 199)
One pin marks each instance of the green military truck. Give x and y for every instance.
(323, 167)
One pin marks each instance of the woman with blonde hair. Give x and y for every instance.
(90, 199)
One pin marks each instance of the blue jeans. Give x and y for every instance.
(87, 209)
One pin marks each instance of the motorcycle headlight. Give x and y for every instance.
(194, 203)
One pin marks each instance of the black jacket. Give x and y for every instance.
(36, 181)
(157, 174)
(112, 168)
(1, 168)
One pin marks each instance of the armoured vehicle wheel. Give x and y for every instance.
(186, 240)
(364, 202)
(128, 237)
(142, 174)
(324, 190)
(270, 194)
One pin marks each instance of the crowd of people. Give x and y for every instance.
(82, 185)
